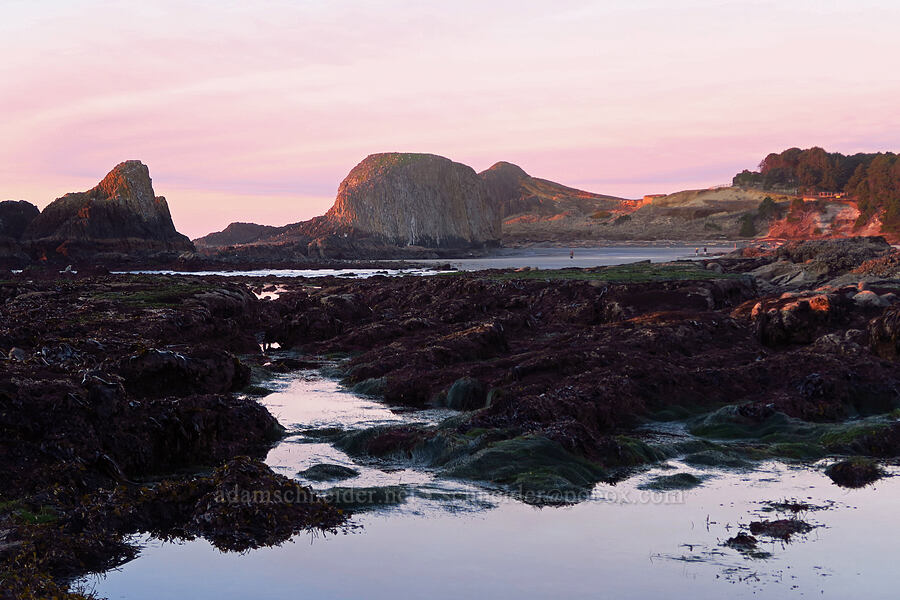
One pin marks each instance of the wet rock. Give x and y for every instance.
(742, 542)
(371, 386)
(851, 342)
(797, 320)
(716, 459)
(879, 440)
(466, 393)
(62, 355)
(869, 299)
(835, 256)
(781, 529)
(17, 354)
(157, 372)
(328, 472)
(855, 472)
(884, 334)
(678, 481)
(533, 468)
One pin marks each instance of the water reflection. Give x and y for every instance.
(451, 540)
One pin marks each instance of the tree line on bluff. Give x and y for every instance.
(872, 179)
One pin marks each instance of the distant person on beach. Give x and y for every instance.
(705, 253)
(571, 254)
(697, 251)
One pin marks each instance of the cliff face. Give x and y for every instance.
(121, 216)
(416, 199)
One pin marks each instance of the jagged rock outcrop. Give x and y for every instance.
(121, 217)
(14, 219)
(416, 200)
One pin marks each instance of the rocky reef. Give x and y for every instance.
(119, 412)
(556, 371)
(118, 220)
(118, 415)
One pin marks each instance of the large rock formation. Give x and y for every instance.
(416, 200)
(121, 217)
(14, 219)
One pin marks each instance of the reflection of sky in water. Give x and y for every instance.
(543, 258)
(306, 401)
(623, 543)
(558, 258)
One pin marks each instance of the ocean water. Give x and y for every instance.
(542, 258)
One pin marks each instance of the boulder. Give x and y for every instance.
(797, 319)
(870, 299)
(328, 472)
(154, 373)
(466, 393)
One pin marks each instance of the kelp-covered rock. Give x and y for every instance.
(678, 481)
(328, 472)
(781, 529)
(531, 467)
(78, 433)
(155, 372)
(855, 472)
(466, 393)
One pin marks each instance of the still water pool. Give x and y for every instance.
(454, 540)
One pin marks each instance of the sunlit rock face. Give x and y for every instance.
(120, 215)
(416, 199)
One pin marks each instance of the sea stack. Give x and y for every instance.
(416, 200)
(120, 216)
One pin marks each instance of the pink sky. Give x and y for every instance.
(256, 111)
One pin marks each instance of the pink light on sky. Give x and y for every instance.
(256, 111)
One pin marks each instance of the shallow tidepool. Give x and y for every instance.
(449, 539)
